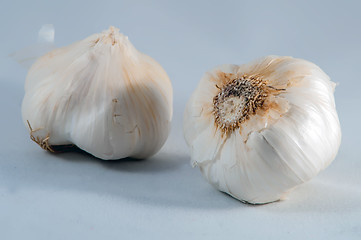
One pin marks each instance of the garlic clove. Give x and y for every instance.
(102, 95)
(264, 127)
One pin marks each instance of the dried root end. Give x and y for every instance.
(44, 142)
(239, 98)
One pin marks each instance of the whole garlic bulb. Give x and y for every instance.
(100, 94)
(257, 130)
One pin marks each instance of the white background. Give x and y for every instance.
(75, 196)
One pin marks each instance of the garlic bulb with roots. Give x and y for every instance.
(258, 130)
(100, 94)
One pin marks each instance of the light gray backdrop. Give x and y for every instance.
(45, 196)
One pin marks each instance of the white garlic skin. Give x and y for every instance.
(102, 95)
(274, 151)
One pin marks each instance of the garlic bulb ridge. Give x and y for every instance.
(100, 94)
(258, 130)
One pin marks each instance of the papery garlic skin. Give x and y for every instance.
(293, 135)
(102, 95)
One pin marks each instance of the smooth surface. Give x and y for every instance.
(75, 196)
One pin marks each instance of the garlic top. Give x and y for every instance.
(100, 94)
(259, 129)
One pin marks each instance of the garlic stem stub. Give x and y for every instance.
(100, 94)
(258, 130)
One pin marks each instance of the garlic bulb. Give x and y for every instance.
(100, 94)
(257, 130)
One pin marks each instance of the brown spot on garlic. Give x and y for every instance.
(239, 99)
